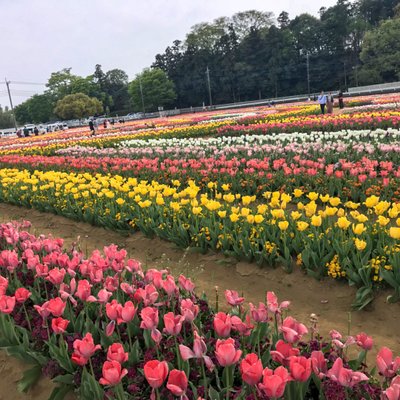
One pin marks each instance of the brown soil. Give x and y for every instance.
(329, 299)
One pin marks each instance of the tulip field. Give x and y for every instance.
(284, 187)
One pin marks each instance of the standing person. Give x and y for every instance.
(322, 101)
(36, 131)
(91, 127)
(340, 96)
(329, 103)
(26, 131)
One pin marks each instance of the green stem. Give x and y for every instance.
(120, 392)
(27, 317)
(158, 394)
(228, 381)
(178, 356)
(203, 369)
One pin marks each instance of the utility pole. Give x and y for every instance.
(11, 103)
(141, 93)
(308, 73)
(209, 85)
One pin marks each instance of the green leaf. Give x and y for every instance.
(67, 379)
(213, 394)
(60, 392)
(29, 378)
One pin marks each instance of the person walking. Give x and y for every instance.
(322, 101)
(340, 97)
(91, 127)
(329, 103)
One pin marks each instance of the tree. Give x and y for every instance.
(78, 105)
(60, 82)
(115, 85)
(157, 90)
(244, 21)
(380, 53)
(38, 108)
(283, 20)
(6, 118)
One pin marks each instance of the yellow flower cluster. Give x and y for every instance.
(334, 268)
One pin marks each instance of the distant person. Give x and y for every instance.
(322, 102)
(340, 97)
(91, 127)
(36, 131)
(112, 122)
(19, 133)
(26, 131)
(329, 103)
(105, 124)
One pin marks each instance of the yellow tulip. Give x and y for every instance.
(383, 221)
(302, 226)
(295, 215)
(343, 223)
(313, 196)
(358, 229)
(234, 217)
(250, 218)
(330, 211)
(278, 213)
(334, 201)
(316, 220)
(258, 219)
(283, 225)
(297, 193)
(325, 198)
(394, 232)
(196, 210)
(371, 201)
(225, 187)
(360, 244)
(222, 214)
(120, 201)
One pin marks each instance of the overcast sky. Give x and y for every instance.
(39, 37)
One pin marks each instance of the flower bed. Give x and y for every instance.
(107, 329)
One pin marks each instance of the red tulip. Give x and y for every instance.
(22, 294)
(251, 369)
(364, 341)
(173, 324)
(116, 352)
(177, 382)
(226, 352)
(155, 373)
(300, 368)
(293, 330)
(3, 285)
(149, 317)
(128, 312)
(56, 307)
(232, 297)
(222, 324)
(59, 325)
(7, 304)
(112, 373)
(274, 382)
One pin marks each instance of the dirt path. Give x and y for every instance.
(330, 300)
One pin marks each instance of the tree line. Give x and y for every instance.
(249, 55)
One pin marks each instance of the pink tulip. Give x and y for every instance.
(177, 382)
(56, 276)
(113, 310)
(103, 296)
(284, 351)
(7, 304)
(199, 351)
(387, 366)
(300, 368)
(274, 382)
(272, 304)
(56, 307)
(319, 364)
(155, 373)
(117, 353)
(169, 285)
(128, 312)
(83, 291)
(148, 295)
(226, 352)
(259, 314)
(189, 310)
(233, 299)
(22, 294)
(393, 391)
(173, 324)
(149, 317)
(222, 324)
(346, 377)
(293, 330)
(112, 373)
(3, 285)
(251, 369)
(364, 341)
(84, 349)
(186, 284)
(59, 325)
